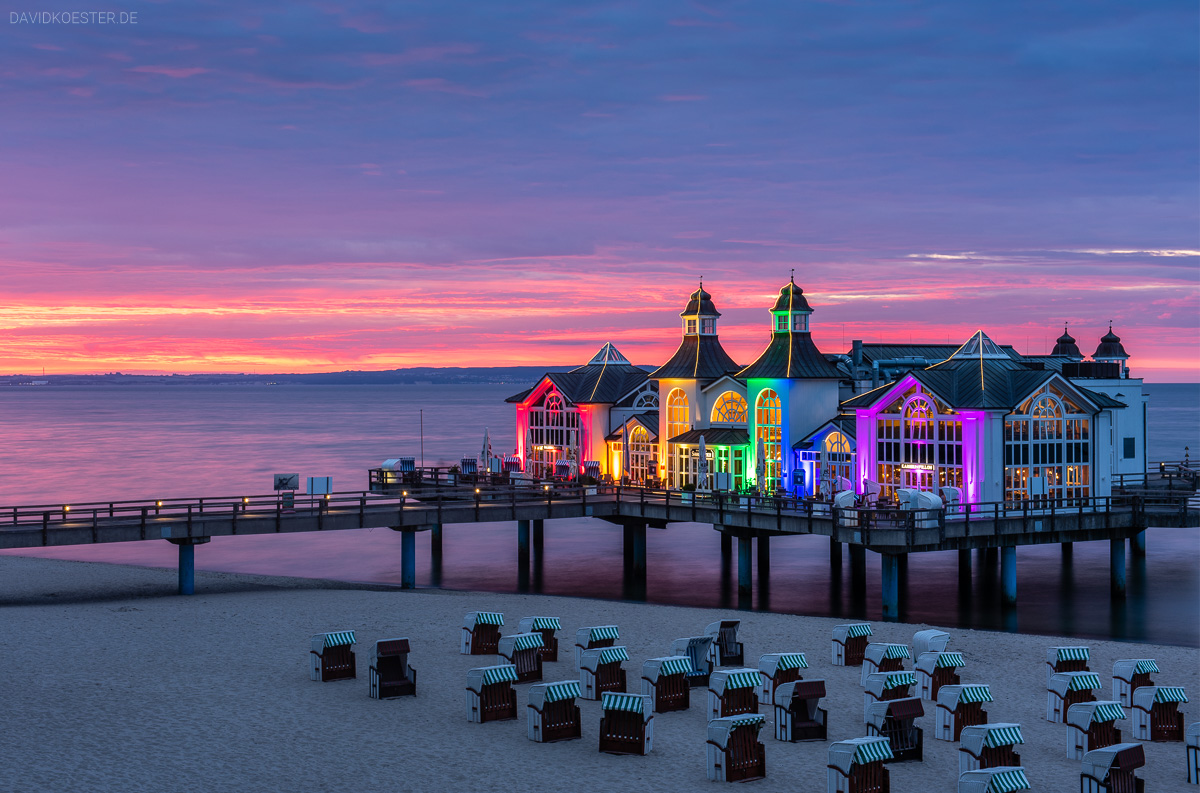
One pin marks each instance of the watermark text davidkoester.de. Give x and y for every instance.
(72, 17)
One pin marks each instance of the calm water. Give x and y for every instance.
(64, 445)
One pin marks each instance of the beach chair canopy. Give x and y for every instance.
(405, 465)
(951, 696)
(490, 675)
(1062, 682)
(714, 629)
(541, 694)
(927, 500)
(599, 633)
(1146, 696)
(720, 729)
(591, 468)
(337, 639)
(468, 465)
(975, 738)
(595, 657)
(852, 631)
(727, 679)
(1120, 756)
(799, 689)
(529, 624)
(859, 751)
(1056, 654)
(388, 648)
(563, 467)
(772, 663)
(483, 618)
(1002, 779)
(931, 640)
(878, 651)
(519, 641)
(1084, 714)
(879, 682)
(628, 703)
(931, 661)
(696, 648)
(896, 709)
(671, 665)
(1126, 669)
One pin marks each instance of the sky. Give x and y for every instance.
(319, 186)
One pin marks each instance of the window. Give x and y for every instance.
(730, 409)
(691, 326)
(781, 322)
(835, 462)
(678, 422)
(647, 397)
(800, 322)
(636, 462)
(918, 444)
(768, 421)
(554, 431)
(1130, 449)
(708, 326)
(1047, 449)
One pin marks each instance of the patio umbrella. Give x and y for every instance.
(625, 450)
(487, 449)
(702, 467)
(760, 468)
(526, 463)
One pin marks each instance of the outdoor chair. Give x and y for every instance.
(937, 669)
(883, 657)
(732, 692)
(600, 671)
(481, 633)
(733, 750)
(1156, 715)
(726, 649)
(1193, 752)
(664, 680)
(1066, 659)
(1129, 676)
(390, 674)
(627, 726)
(552, 712)
(958, 707)
(894, 720)
(1003, 779)
(697, 649)
(930, 641)
(331, 657)
(856, 766)
(989, 746)
(490, 695)
(522, 650)
(547, 627)
(798, 712)
(886, 686)
(849, 643)
(777, 669)
(598, 636)
(1067, 689)
(1092, 725)
(1113, 769)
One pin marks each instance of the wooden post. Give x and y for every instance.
(1008, 573)
(1116, 560)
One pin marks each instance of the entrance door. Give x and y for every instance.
(918, 479)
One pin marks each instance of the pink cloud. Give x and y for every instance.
(171, 71)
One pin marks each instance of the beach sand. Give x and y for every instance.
(113, 682)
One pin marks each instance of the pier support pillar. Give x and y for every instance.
(187, 568)
(539, 553)
(764, 556)
(1008, 574)
(522, 556)
(435, 554)
(639, 552)
(890, 577)
(744, 572)
(1137, 543)
(1068, 552)
(835, 553)
(726, 549)
(408, 559)
(858, 563)
(1116, 560)
(964, 567)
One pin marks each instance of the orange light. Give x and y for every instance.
(405, 494)
(66, 509)
(245, 501)
(326, 496)
(158, 503)
(476, 491)
(545, 487)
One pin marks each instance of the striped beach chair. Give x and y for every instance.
(590, 638)
(1066, 659)
(733, 750)
(798, 712)
(627, 726)
(777, 669)
(1130, 675)
(1113, 769)
(732, 692)
(331, 656)
(390, 674)
(960, 706)
(989, 746)
(522, 651)
(930, 641)
(600, 671)
(552, 712)
(490, 695)
(1156, 715)
(886, 686)
(1192, 739)
(726, 649)
(856, 766)
(1092, 725)
(664, 680)
(698, 651)
(883, 657)
(547, 627)
(849, 643)
(895, 720)
(993, 780)
(936, 669)
(1067, 689)
(481, 632)
(468, 466)
(511, 464)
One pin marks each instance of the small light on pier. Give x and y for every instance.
(545, 487)
(476, 491)
(158, 503)
(66, 508)
(404, 493)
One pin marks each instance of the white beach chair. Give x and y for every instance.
(733, 750)
(895, 719)
(1112, 769)
(627, 726)
(929, 641)
(883, 657)
(1192, 739)
(698, 649)
(597, 636)
(545, 626)
(777, 669)
(1069, 688)
(490, 695)
(1129, 675)
(989, 746)
(481, 633)
(331, 656)
(960, 706)
(1092, 725)
(390, 674)
(1066, 659)
(665, 681)
(937, 669)
(856, 766)
(600, 671)
(1005, 779)
(798, 712)
(726, 650)
(732, 692)
(552, 714)
(883, 686)
(523, 650)
(849, 643)
(1156, 715)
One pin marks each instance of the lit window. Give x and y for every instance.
(691, 326)
(730, 409)
(768, 420)
(781, 322)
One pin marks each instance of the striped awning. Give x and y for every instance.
(1004, 736)
(1008, 780)
(1073, 654)
(897, 679)
(742, 680)
(748, 720)
(873, 752)
(527, 641)
(603, 632)
(1145, 667)
(1086, 680)
(489, 618)
(949, 661)
(631, 703)
(675, 666)
(1108, 711)
(897, 651)
(975, 694)
(612, 655)
(499, 674)
(1170, 694)
(854, 631)
(340, 638)
(556, 692)
(546, 624)
(791, 661)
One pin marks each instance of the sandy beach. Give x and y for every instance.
(113, 682)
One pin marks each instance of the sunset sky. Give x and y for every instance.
(325, 186)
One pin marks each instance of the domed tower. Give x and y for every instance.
(1111, 351)
(1066, 346)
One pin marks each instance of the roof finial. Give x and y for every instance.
(701, 283)
(793, 276)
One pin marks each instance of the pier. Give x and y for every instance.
(431, 501)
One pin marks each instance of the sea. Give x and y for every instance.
(64, 444)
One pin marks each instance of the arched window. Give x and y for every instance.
(554, 431)
(730, 409)
(836, 460)
(919, 444)
(640, 454)
(1046, 449)
(646, 399)
(768, 421)
(678, 418)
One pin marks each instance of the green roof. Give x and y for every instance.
(489, 618)
(742, 680)
(613, 655)
(1170, 694)
(1004, 736)
(505, 673)
(339, 638)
